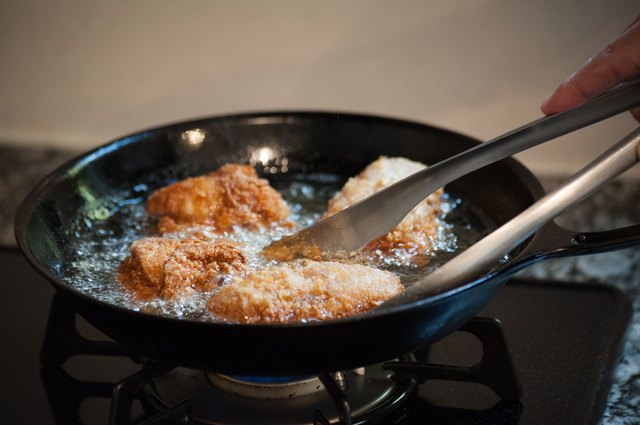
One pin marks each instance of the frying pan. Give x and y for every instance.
(337, 143)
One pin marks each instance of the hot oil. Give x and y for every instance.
(98, 246)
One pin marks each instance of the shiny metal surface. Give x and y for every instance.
(217, 403)
(378, 214)
(487, 253)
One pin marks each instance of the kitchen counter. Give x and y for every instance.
(616, 205)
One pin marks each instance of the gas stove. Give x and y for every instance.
(539, 353)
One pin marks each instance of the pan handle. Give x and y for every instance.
(483, 260)
(554, 241)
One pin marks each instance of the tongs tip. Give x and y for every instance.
(291, 248)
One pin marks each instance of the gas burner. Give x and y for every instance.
(267, 388)
(220, 399)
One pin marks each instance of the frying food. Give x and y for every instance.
(169, 268)
(418, 231)
(246, 291)
(303, 290)
(233, 195)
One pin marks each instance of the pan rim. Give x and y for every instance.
(28, 207)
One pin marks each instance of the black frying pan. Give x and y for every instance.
(336, 143)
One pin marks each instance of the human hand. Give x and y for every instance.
(617, 63)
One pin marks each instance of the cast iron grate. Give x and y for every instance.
(62, 341)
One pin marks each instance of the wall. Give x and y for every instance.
(77, 73)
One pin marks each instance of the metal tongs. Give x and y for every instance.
(478, 260)
(377, 215)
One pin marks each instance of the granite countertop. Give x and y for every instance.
(616, 205)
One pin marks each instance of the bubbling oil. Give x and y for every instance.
(100, 243)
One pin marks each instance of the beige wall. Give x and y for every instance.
(78, 73)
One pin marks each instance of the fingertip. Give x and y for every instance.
(566, 96)
(544, 106)
(548, 105)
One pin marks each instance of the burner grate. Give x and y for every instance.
(149, 385)
(495, 369)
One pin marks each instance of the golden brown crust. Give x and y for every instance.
(232, 195)
(419, 229)
(303, 290)
(167, 268)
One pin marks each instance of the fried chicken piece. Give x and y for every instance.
(232, 195)
(303, 290)
(417, 231)
(168, 268)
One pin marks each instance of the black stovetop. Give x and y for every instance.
(563, 339)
